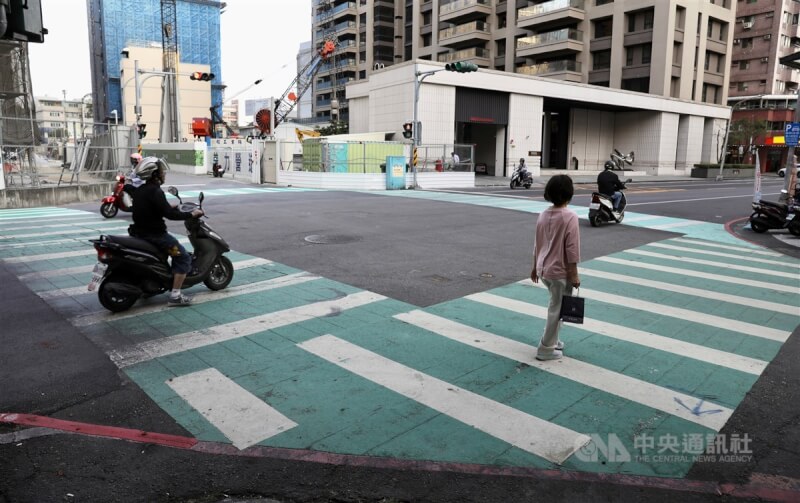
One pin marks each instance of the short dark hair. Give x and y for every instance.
(559, 190)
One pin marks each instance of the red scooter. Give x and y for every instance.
(119, 199)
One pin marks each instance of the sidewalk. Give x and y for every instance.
(581, 177)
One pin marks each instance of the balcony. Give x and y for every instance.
(562, 70)
(348, 7)
(465, 10)
(552, 12)
(477, 55)
(462, 33)
(564, 41)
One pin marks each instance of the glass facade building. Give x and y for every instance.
(116, 24)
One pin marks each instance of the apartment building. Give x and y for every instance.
(761, 88)
(60, 118)
(669, 48)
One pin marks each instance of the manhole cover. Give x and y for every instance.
(330, 239)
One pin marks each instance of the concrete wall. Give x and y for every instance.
(591, 138)
(55, 196)
(524, 132)
(690, 142)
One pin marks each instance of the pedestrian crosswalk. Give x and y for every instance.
(676, 334)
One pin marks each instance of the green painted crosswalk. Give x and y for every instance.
(677, 332)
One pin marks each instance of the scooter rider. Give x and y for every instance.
(149, 210)
(609, 185)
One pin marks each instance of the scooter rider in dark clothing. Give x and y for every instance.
(149, 210)
(609, 185)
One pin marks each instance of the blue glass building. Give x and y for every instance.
(116, 24)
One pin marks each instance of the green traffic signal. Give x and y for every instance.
(461, 67)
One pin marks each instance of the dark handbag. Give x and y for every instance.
(572, 308)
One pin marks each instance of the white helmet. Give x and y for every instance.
(149, 166)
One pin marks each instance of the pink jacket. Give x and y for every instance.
(558, 243)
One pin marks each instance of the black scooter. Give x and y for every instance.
(129, 268)
(601, 209)
(769, 215)
(521, 177)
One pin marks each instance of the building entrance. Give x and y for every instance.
(481, 119)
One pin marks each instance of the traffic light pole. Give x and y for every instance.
(415, 139)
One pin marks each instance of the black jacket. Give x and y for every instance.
(607, 183)
(150, 207)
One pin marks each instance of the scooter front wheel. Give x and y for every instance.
(513, 184)
(220, 275)
(594, 220)
(758, 226)
(794, 228)
(109, 210)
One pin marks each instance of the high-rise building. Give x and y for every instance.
(117, 24)
(765, 30)
(671, 48)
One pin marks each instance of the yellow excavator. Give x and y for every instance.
(303, 133)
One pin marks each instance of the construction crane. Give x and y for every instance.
(284, 105)
(170, 115)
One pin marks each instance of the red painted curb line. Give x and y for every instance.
(97, 430)
(729, 229)
(761, 486)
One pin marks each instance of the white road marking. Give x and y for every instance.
(201, 297)
(241, 416)
(640, 337)
(711, 320)
(749, 251)
(88, 251)
(52, 216)
(675, 225)
(529, 433)
(713, 263)
(687, 290)
(149, 350)
(721, 254)
(595, 377)
(83, 230)
(749, 196)
(699, 274)
(92, 220)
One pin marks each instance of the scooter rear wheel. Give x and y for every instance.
(594, 220)
(220, 275)
(114, 302)
(513, 185)
(758, 226)
(108, 210)
(794, 228)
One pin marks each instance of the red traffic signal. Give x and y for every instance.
(202, 76)
(408, 130)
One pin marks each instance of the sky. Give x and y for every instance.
(260, 40)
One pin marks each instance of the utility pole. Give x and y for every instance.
(170, 114)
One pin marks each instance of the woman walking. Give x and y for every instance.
(556, 253)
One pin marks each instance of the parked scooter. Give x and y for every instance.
(119, 199)
(619, 160)
(129, 268)
(521, 177)
(769, 215)
(601, 209)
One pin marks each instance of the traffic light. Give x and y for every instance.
(461, 67)
(408, 130)
(202, 76)
(140, 129)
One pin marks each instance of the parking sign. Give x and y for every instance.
(792, 133)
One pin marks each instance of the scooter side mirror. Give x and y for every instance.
(173, 190)
(201, 197)
(629, 180)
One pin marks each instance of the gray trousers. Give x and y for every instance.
(557, 289)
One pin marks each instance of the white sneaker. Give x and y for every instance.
(553, 355)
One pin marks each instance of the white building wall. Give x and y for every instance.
(591, 138)
(713, 139)
(437, 112)
(690, 142)
(359, 115)
(390, 107)
(524, 132)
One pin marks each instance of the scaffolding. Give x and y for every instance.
(19, 133)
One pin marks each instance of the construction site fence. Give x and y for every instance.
(34, 153)
(370, 157)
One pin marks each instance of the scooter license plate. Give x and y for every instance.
(97, 274)
(790, 216)
(594, 206)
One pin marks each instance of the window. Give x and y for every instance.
(500, 48)
(631, 23)
(710, 30)
(708, 60)
(603, 2)
(602, 27)
(747, 43)
(629, 56)
(680, 17)
(648, 19)
(501, 21)
(744, 64)
(647, 50)
(741, 86)
(601, 60)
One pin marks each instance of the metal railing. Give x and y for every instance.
(460, 4)
(463, 29)
(473, 52)
(550, 67)
(550, 37)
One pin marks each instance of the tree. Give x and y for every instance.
(335, 127)
(745, 131)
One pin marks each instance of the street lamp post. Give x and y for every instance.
(727, 131)
(415, 137)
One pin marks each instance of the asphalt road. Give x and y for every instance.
(423, 252)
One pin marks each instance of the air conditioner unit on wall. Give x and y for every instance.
(747, 25)
(736, 41)
(765, 60)
(767, 36)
